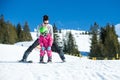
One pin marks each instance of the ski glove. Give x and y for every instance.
(43, 48)
(49, 48)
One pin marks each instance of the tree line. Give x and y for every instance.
(10, 34)
(104, 42)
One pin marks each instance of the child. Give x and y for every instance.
(45, 41)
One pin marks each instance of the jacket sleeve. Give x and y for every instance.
(38, 32)
(40, 41)
(50, 41)
(51, 31)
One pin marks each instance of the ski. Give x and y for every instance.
(26, 61)
(43, 62)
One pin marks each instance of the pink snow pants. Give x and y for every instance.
(45, 41)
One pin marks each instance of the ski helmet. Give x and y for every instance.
(43, 29)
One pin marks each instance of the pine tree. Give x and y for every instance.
(3, 30)
(65, 47)
(15, 33)
(7, 32)
(20, 32)
(106, 45)
(27, 35)
(111, 41)
(94, 40)
(71, 47)
(94, 29)
(55, 28)
(116, 42)
(11, 32)
(70, 43)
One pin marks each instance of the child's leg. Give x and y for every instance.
(42, 53)
(49, 54)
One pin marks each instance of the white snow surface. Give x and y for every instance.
(82, 41)
(75, 68)
(117, 29)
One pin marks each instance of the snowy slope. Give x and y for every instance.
(82, 41)
(74, 69)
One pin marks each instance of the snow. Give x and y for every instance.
(82, 41)
(117, 29)
(119, 39)
(34, 35)
(75, 68)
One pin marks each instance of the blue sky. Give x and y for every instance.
(71, 14)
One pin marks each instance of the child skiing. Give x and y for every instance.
(36, 42)
(45, 41)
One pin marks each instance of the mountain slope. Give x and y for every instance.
(74, 69)
(82, 40)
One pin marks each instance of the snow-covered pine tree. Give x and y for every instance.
(71, 47)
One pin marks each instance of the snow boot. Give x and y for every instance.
(63, 60)
(23, 60)
(41, 59)
(49, 59)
